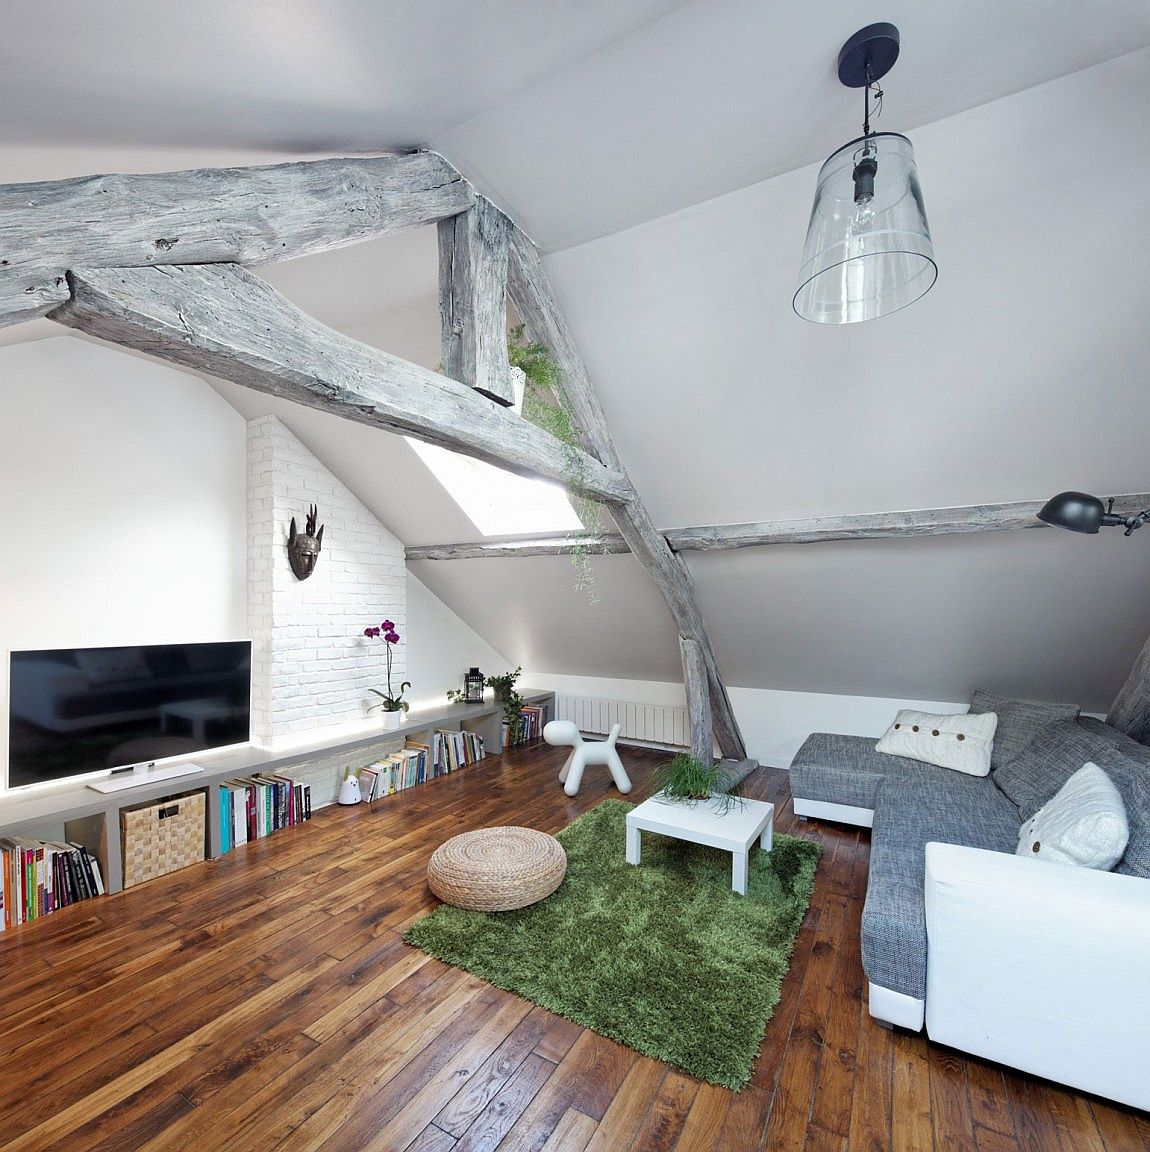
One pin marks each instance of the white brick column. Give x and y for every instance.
(311, 664)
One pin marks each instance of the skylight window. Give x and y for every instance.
(499, 503)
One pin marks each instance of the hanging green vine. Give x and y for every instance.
(542, 408)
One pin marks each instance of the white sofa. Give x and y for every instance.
(1040, 966)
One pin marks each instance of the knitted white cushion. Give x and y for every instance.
(1084, 823)
(962, 742)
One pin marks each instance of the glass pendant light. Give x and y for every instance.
(868, 249)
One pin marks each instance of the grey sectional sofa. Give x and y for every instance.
(1082, 970)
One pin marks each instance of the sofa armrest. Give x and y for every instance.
(1041, 966)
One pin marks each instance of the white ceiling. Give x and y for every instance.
(1021, 373)
(652, 104)
(283, 75)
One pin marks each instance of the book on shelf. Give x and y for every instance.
(530, 723)
(255, 806)
(42, 876)
(368, 781)
(452, 749)
(422, 756)
(225, 820)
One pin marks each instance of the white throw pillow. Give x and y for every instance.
(1084, 824)
(963, 743)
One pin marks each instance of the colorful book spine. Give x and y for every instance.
(225, 820)
(39, 877)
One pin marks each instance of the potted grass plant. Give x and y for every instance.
(688, 780)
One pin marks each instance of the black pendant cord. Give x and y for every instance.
(866, 103)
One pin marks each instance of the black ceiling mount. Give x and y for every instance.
(868, 55)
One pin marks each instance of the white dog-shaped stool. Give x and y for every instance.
(565, 733)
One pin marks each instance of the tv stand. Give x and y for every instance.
(90, 814)
(143, 774)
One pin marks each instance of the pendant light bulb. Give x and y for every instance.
(863, 176)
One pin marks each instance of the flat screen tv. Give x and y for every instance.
(74, 711)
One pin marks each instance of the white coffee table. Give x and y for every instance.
(733, 831)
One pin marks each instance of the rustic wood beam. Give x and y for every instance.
(604, 544)
(811, 530)
(225, 321)
(29, 293)
(216, 215)
(1130, 712)
(473, 300)
(530, 290)
(531, 293)
(877, 525)
(698, 700)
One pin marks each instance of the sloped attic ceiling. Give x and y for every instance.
(724, 405)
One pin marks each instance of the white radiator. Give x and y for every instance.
(662, 724)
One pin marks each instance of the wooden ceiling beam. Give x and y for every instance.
(602, 544)
(29, 293)
(211, 216)
(811, 530)
(473, 300)
(225, 321)
(531, 293)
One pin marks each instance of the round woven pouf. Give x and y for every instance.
(497, 869)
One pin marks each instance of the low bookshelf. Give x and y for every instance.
(75, 812)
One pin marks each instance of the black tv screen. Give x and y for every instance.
(80, 710)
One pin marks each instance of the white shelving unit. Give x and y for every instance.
(93, 818)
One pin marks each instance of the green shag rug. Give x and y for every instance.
(662, 957)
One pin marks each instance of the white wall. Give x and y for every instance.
(121, 484)
(442, 647)
(1021, 374)
(774, 724)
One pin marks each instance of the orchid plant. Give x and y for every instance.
(389, 701)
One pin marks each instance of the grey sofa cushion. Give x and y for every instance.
(1059, 750)
(1019, 721)
(846, 769)
(949, 808)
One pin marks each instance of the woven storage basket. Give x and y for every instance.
(162, 837)
(497, 869)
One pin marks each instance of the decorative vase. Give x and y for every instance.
(349, 792)
(392, 720)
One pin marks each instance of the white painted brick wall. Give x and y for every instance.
(311, 664)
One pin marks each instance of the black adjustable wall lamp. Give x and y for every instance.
(1082, 513)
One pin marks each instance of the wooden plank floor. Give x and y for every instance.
(266, 1000)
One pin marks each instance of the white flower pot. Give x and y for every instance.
(392, 720)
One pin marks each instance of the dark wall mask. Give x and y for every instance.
(304, 547)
